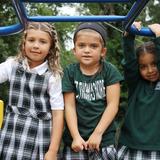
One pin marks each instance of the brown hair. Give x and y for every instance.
(147, 47)
(54, 52)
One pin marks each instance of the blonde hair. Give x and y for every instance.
(54, 52)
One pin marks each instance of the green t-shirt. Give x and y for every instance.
(90, 92)
(141, 129)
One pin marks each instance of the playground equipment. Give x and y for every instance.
(19, 7)
(1, 112)
(23, 17)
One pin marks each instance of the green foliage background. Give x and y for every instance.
(9, 44)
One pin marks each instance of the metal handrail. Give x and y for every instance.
(15, 28)
(128, 19)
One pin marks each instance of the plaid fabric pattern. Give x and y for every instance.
(125, 153)
(108, 153)
(25, 133)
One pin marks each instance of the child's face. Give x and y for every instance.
(148, 67)
(36, 46)
(88, 48)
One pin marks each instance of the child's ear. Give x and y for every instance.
(73, 51)
(104, 52)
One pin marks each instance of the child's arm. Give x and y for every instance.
(78, 143)
(6, 69)
(129, 62)
(128, 44)
(113, 95)
(156, 30)
(57, 108)
(57, 130)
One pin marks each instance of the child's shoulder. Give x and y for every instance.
(72, 69)
(72, 66)
(107, 64)
(10, 61)
(110, 68)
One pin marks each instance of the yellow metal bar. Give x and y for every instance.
(1, 112)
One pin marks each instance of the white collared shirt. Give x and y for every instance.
(54, 86)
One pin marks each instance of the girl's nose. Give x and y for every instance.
(36, 45)
(150, 69)
(86, 49)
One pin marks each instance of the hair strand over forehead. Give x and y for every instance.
(146, 48)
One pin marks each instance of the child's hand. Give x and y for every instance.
(50, 155)
(78, 144)
(94, 141)
(155, 28)
(137, 25)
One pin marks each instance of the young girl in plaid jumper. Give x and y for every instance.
(139, 138)
(33, 122)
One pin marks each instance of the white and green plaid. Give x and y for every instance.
(125, 153)
(26, 129)
(106, 153)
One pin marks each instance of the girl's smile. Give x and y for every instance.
(37, 46)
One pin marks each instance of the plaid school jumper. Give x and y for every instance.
(125, 153)
(25, 134)
(105, 153)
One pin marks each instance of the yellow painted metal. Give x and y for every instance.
(1, 112)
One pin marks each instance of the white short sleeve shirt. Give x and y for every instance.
(54, 86)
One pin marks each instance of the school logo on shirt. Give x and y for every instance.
(90, 91)
(157, 86)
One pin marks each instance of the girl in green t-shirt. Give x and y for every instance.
(91, 93)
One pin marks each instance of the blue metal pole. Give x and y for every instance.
(10, 30)
(145, 31)
(128, 19)
(136, 9)
(76, 1)
(15, 28)
(76, 18)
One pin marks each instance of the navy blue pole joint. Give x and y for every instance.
(15, 28)
(145, 31)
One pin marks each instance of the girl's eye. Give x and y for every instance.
(43, 42)
(31, 40)
(94, 46)
(81, 45)
(142, 67)
(153, 65)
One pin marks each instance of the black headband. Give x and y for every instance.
(94, 26)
